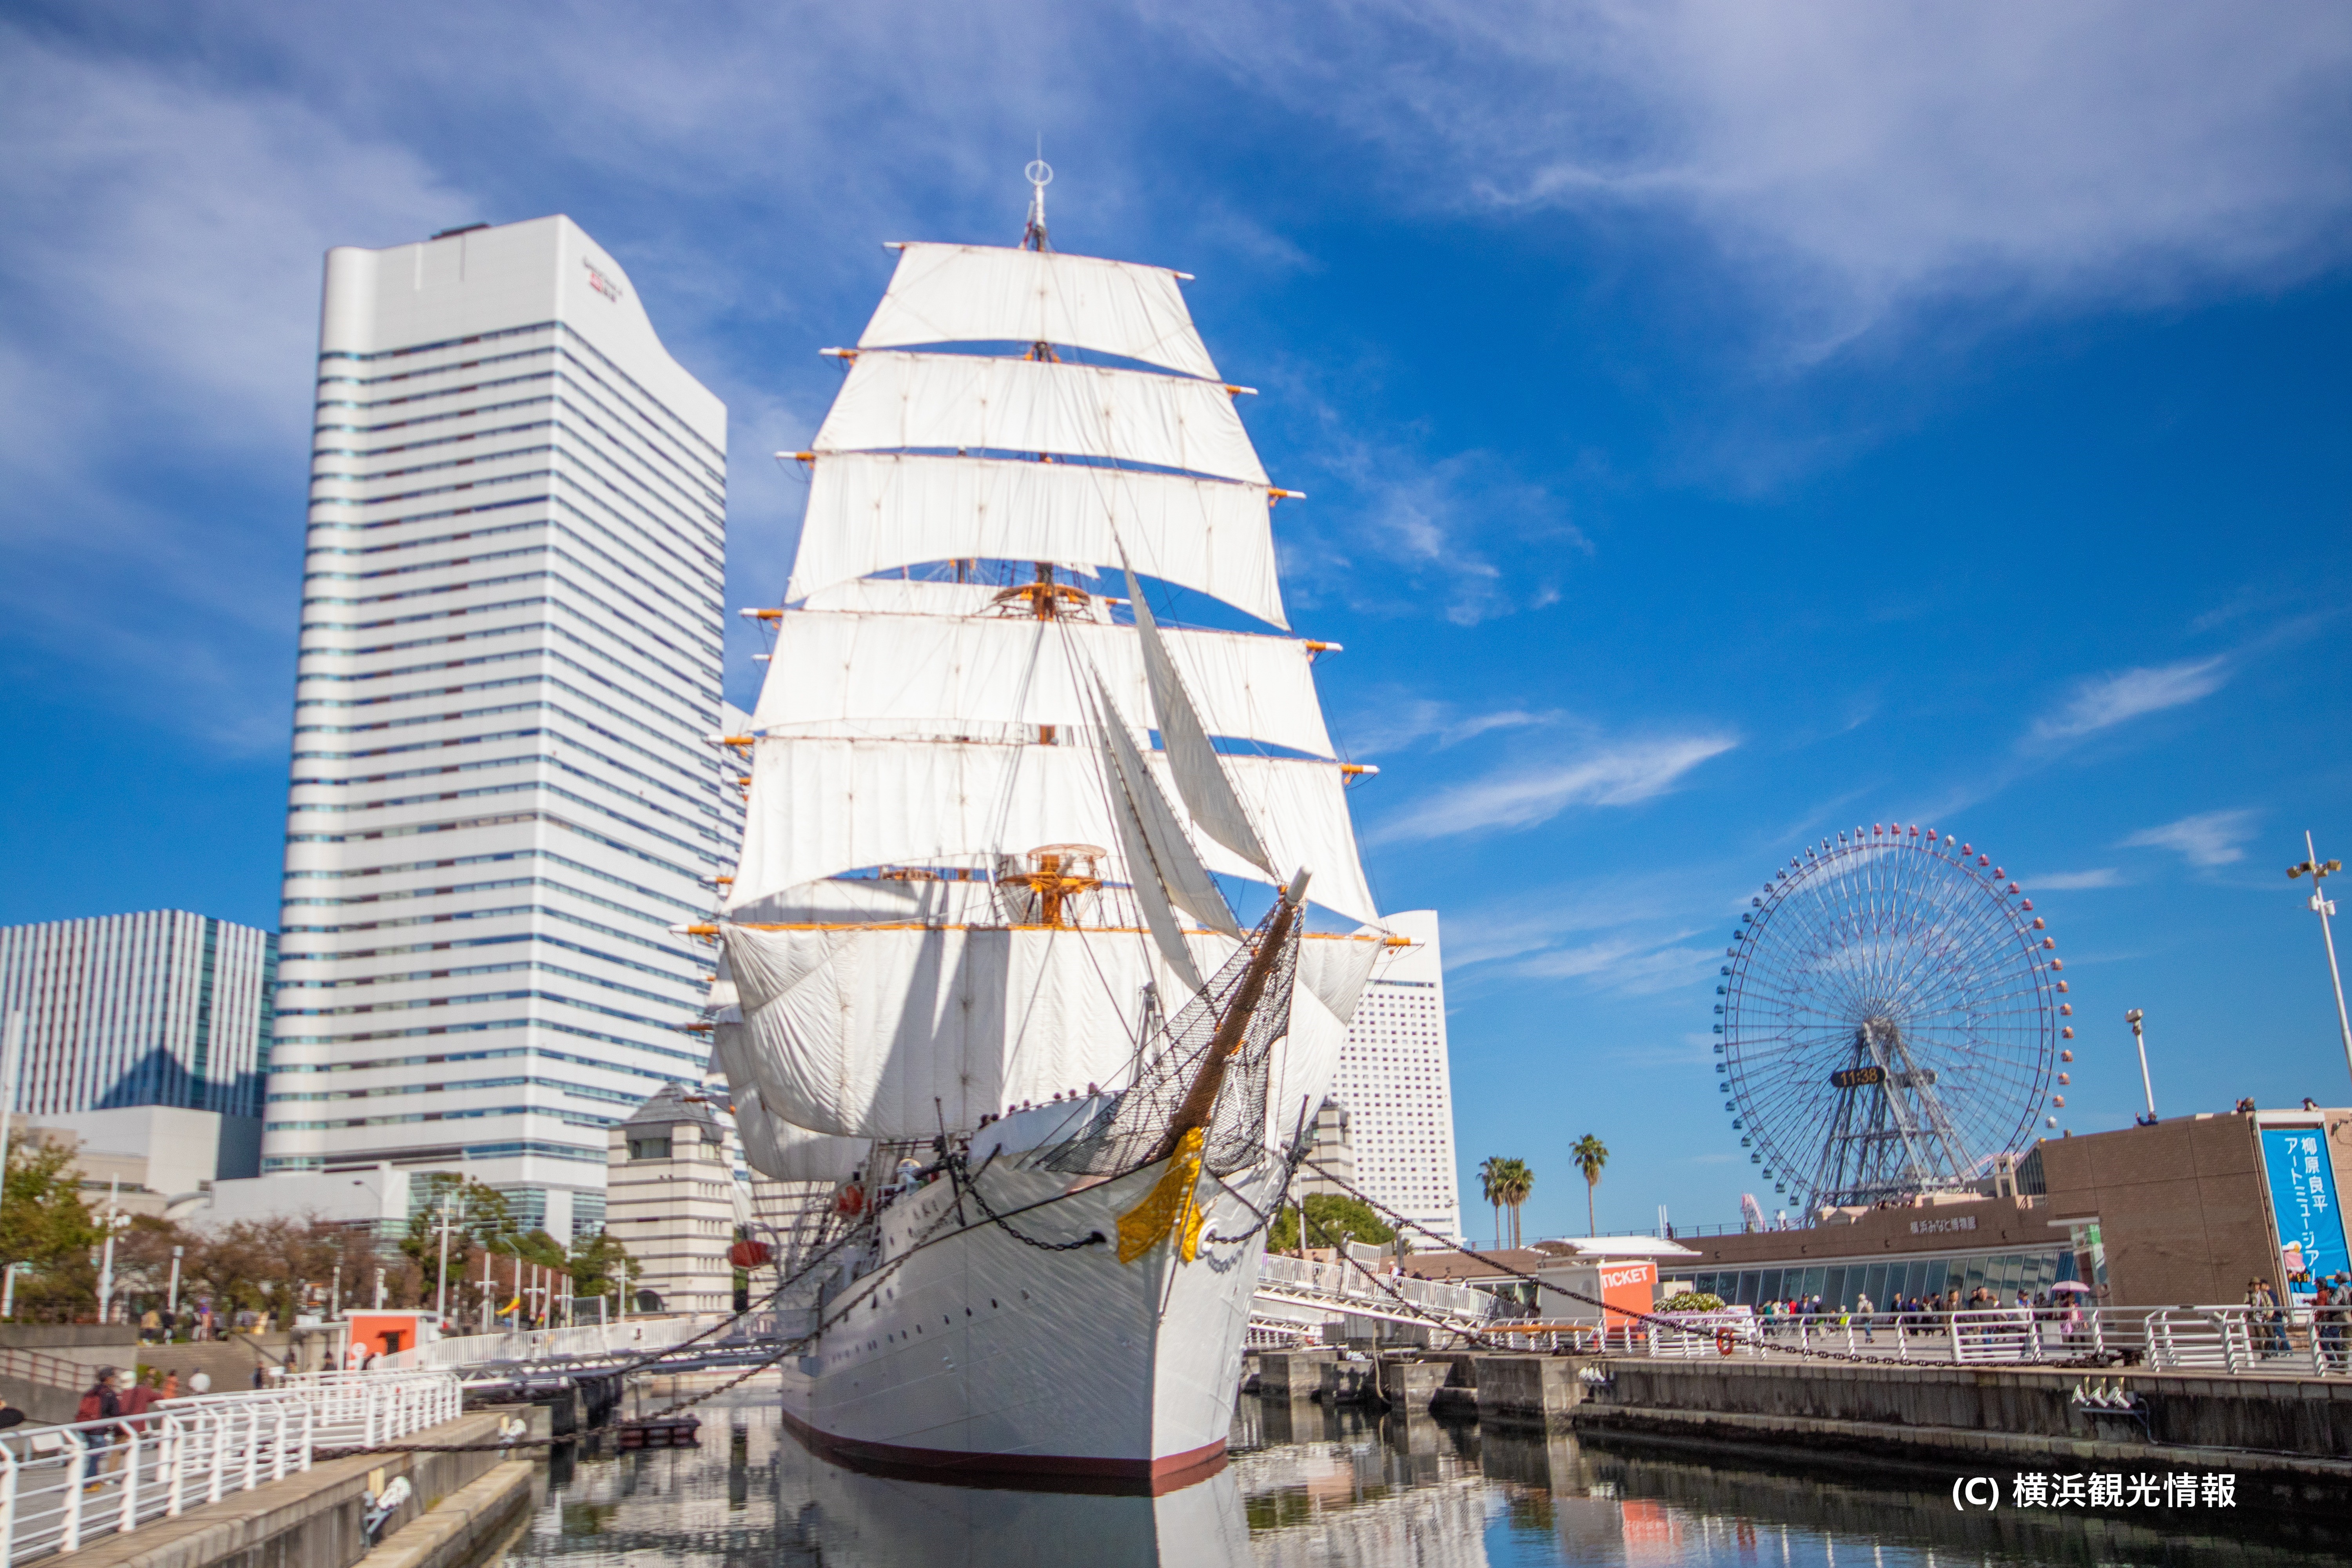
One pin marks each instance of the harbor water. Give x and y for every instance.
(1308, 1488)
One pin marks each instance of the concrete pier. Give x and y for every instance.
(313, 1520)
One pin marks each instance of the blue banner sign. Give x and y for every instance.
(2303, 1196)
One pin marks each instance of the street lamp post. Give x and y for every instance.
(441, 1300)
(174, 1309)
(2322, 906)
(2132, 1015)
(115, 1220)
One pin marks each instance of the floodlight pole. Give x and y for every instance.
(2132, 1015)
(2322, 906)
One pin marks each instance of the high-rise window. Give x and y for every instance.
(1394, 1082)
(162, 1007)
(503, 790)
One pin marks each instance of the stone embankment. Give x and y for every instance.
(2287, 1439)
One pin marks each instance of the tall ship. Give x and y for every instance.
(1050, 919)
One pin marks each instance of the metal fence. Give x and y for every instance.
(2229, 1339)
(1343, 1282)
(47, 1370)
(626, 1337)
(62, 1486)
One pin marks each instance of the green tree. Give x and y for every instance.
(1514, 1180)
(45, 1225)
(600, 1263)
(480, 1219)
(1490, 1175)
(1590, 1154)
(1329, 1219)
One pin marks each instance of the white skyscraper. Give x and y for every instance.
(162, 1007)
(1394, 1082)
(503, 793)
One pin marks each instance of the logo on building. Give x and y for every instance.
(599, 282)
(1935, 1227)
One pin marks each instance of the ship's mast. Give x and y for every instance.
(1040, 175)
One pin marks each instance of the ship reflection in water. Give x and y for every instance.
(1308, 1489)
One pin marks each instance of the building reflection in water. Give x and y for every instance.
(1308, 1487)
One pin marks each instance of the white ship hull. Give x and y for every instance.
(964, 1353)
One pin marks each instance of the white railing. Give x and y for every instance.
(2233, 1339)
(628, 1336)
(62, 1486)
(1343, 1282)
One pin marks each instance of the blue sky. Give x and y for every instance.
(1722, 427)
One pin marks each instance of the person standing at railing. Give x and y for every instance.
(2262, 1320)
(2330, 1310)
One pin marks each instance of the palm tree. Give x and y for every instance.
(1513, 1182)
(1490, 1183)
(1590, 1154)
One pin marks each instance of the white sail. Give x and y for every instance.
(821, 807)
(892, 1032)
(773, 1146)
(1330, 979)
(1170, 862)
(1192, 758)
(985, 293)
(893, 401)
(877, 511)
(1152, 893)
(852, 673)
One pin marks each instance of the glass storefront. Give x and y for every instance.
(1841, 1284)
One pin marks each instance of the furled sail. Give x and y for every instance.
(1192, 758)
(852, 673)
(878, 512)
(821, 807)
(985, 293)
(896, 402)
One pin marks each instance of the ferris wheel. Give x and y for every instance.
(1890, 1014)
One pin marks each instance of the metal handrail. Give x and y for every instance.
(60, 1486)
(49, 1371)
(2229, 1338)
(621, 1338)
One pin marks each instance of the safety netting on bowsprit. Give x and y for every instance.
(1132, 1128)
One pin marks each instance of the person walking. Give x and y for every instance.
(1862, 1310)
(99, 1403)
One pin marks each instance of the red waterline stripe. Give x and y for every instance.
(1019, 1472)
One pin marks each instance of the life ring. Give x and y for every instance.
(1725, 1341)
(851, 1201)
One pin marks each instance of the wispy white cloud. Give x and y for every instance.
(2208, 839)
(1389, 722)
(2101, 702)
(2073, 881)
(1620, 773)
(1850, 159)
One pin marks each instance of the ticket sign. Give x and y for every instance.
(2303, 1196)
(1627, 1287)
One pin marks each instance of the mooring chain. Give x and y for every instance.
(965, 1182)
